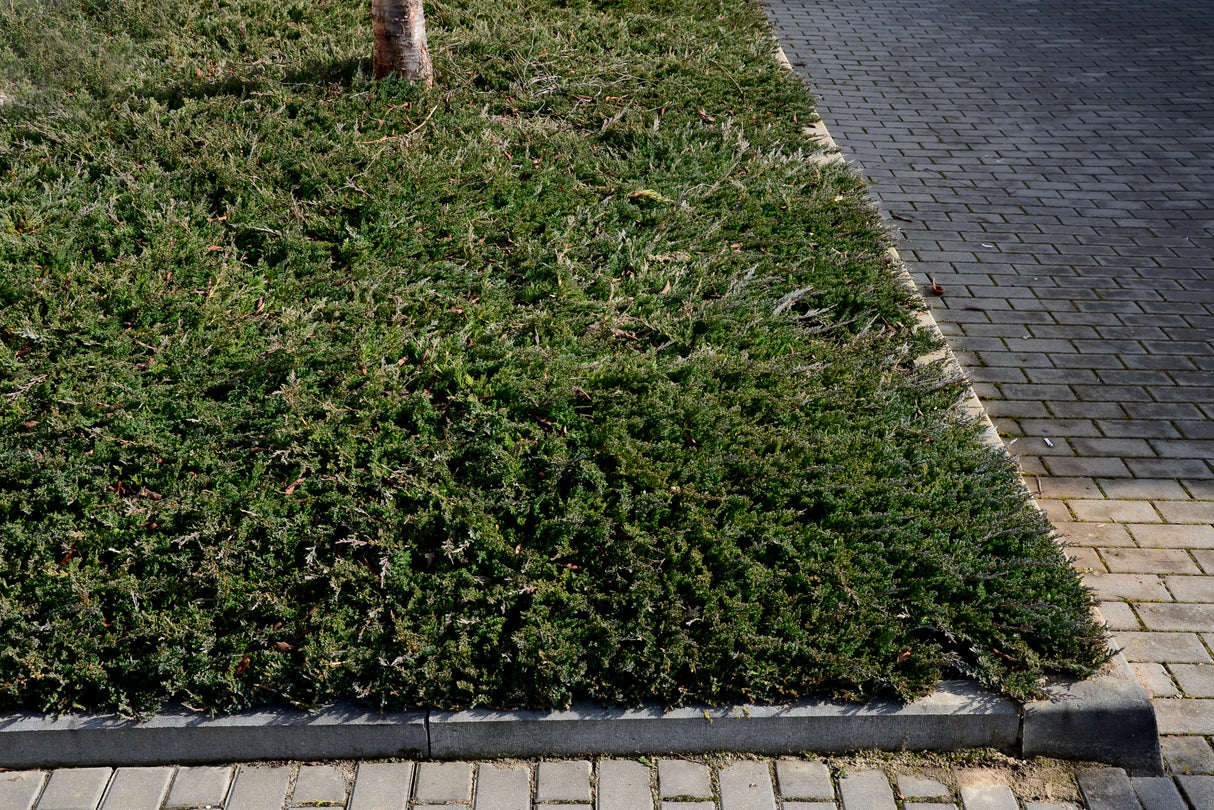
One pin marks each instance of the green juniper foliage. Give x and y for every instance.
(573, 377)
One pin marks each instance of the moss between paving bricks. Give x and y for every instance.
(572, 377)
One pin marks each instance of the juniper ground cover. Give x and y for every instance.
(573, 377)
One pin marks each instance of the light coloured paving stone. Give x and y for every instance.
(1195, 680)
(1149, 561)
(1199, 790)
(561, 806)
(1158, 793)
(320, 784)
(1164, 648)
(1119, 616)
(563, 781)
(1205, 558)
(1187, 511)
(1060, 487)
(1049, 806)
(1191, 588)
(259, 787)
(809, 806)
(509, 788)
(1155, 679)
(1184, 715)
(1106, 789)
(866, 790)
(623, 785)
(382, 786)
(678, 778)
(705, 805)
(929, 806)
(1134, 587)
(439, 782)
(19, 789)
(200, 786)
(988, 797)
(1084, 559)
(1114, 511)
(1054, 510)
(1172, 535)
(138, 789)
(746, 785)
(798, 779)
(912, 786)
(1143, 489)
(1188, 755)
(1176, 616)
(74, 789)
(1101, 534)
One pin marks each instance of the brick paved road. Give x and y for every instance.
(1051, 165)
(668, 784)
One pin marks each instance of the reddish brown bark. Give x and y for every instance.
(400, 41)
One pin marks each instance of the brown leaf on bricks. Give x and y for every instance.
(935, 289)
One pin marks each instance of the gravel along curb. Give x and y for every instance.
(1107, 718)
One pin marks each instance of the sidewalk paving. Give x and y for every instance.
(607, 784)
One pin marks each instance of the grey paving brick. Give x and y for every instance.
(1155, 679)
(138, 789)
(1199, 790)
(259, 787)
(798, 779)
(1162, 647)
(1177, 468)
(929, 806)
(320, 785)
(914, 786)
(866, 790)
(1187, 511)
(623, 785)
(679, 778)
(1158, 793)
(563, 781)
(440, 782)
(74, 789)
(809, 806)
(200, 786)
(1100, 534)
(1195, 680)
(18, 789)
(1191, 589)
(1116, 511)
(1188, 755)
(1119, 616)
(1107, 789)
(1176, 616)
(1086, 466)
(509, 787)
(382, 786)
(1149, 561)
(1134, 587)
(1188, 716)
(988, 797)
(1171, 535)
(747, 785)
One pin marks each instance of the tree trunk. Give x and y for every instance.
(400, 41)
